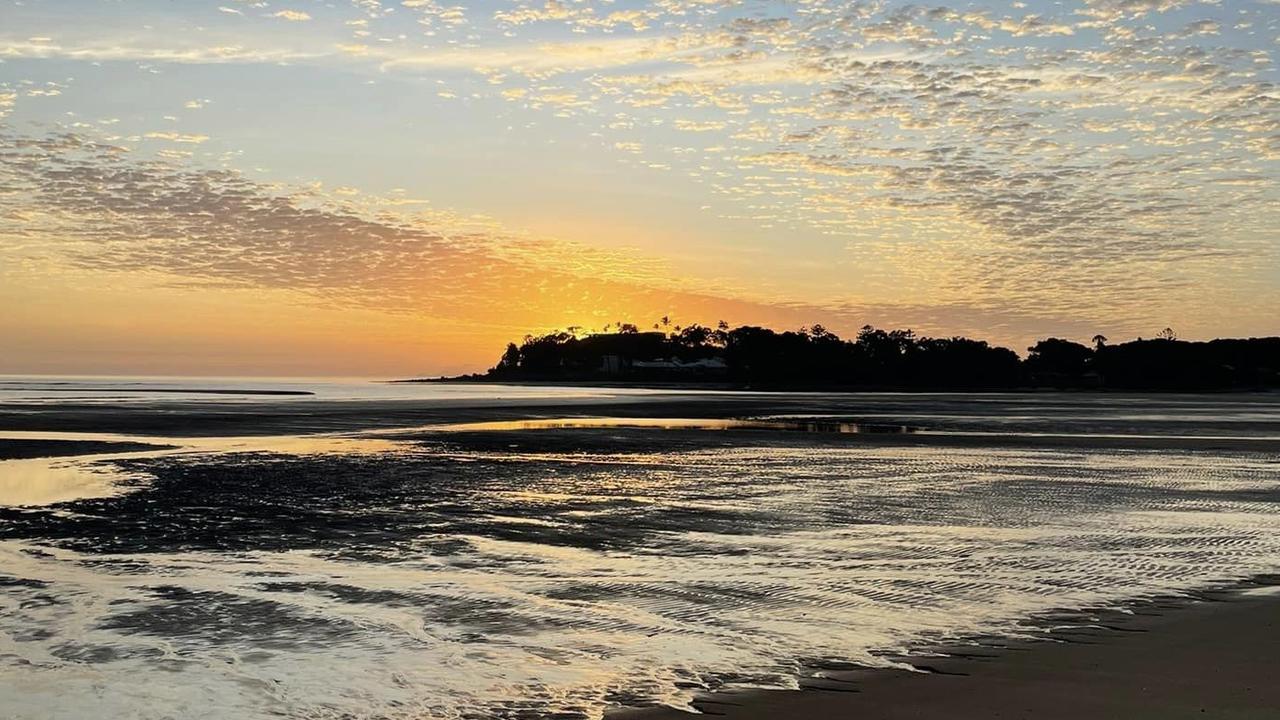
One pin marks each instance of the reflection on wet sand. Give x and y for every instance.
(573, 423)
(561, 566)
(457, 581)
(45, 481)
(49, 480)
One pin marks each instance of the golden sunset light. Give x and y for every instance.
(385, 172)
(639, 359)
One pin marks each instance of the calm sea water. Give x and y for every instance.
(143, 389)
(455, 576)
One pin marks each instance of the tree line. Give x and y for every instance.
(814, 357)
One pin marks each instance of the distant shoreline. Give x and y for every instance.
(181, 391)
(814, 358)
(566, 382)
(816, 387)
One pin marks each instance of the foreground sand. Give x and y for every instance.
(1212, 658)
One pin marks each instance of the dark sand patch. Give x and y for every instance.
(33, 448)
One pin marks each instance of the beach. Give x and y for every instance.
(1212, 656)
(578, 552)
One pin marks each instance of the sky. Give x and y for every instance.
(400, 187)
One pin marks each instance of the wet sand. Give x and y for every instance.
(1210, 657)
(977, 420)
(1213, 656)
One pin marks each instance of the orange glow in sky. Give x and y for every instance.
(391, 188)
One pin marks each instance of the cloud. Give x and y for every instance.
(109, 212)
(104, 210)
(1116, 9)
(1203, 27)
(109, 51)
(543, 58)
(699, 126)
(177, 137)
(976, 156)
(292, 15)
(1091, 155)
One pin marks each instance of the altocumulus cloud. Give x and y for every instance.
(100, 208)
(1074, 158)
(292, 15)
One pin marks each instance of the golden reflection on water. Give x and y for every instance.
(49, 480)
(44, 481)
(814, 426)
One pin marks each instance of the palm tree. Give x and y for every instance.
(1099, 341)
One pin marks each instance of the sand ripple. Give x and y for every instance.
(458, 581)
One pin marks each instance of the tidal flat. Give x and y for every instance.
(493, 552)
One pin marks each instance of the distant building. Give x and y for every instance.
(613, 365)
(705, 366)
(656, 364)
(711, 363)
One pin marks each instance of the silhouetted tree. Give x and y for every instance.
(510, 361)
(961, 363)
(1058, 362)
(816, 357)
(694, 336)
